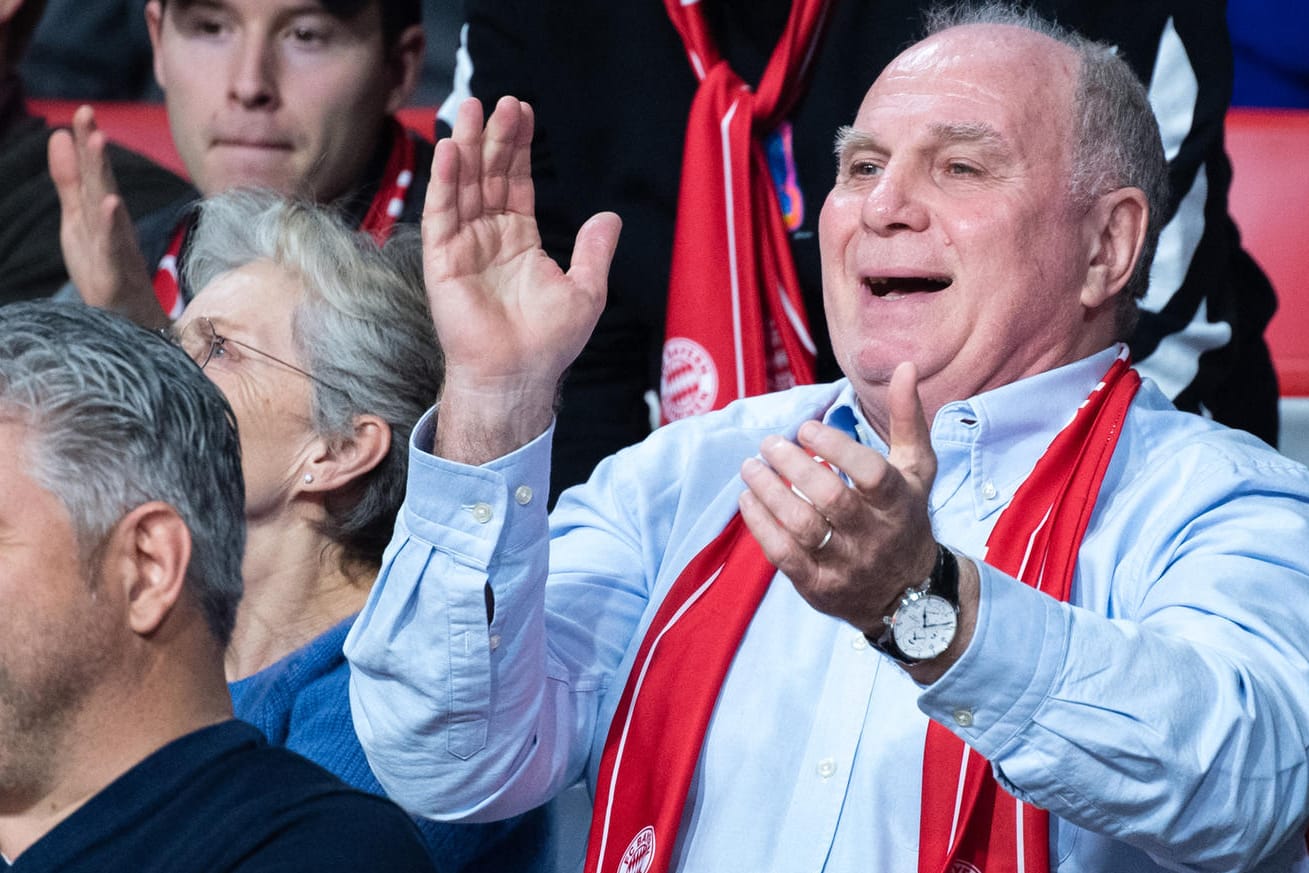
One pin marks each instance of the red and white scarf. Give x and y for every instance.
(968, 823)
(383, 212)
(736, 322)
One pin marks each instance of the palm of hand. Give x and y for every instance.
(499, 301)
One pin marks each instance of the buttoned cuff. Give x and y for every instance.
(466, 511)
(995, 688)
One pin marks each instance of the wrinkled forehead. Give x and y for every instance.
(1019, 82)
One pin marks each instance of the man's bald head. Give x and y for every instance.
(1115, 138)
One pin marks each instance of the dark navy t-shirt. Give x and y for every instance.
(221, 799)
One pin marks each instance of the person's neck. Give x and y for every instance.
(166, 696)
(355, 202)
(298, 585)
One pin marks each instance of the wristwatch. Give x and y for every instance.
(927, 617)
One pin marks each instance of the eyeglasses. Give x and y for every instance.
(203, 343)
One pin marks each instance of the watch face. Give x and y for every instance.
(924, 628)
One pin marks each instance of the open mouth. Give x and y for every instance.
(900, 286)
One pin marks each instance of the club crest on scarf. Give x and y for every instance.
(733, 285)
(962, 867)
(640, 852)
(689, 381)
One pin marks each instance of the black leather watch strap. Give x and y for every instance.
(943, 582)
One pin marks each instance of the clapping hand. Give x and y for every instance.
(101, 252)
(852, 549)
(509, 319)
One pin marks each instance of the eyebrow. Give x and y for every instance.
(848, 139)
(307, 7)
(970, 132)
(189, 5)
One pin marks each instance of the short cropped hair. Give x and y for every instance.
(396, 14)
(362, 325)
(1117, 137)
(118, 416)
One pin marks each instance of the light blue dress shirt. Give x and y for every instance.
(1162, 716)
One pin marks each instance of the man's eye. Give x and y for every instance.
(306, 35)
(864, 168)
(200, 26)
(958, 168)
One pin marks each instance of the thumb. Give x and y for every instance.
(911, 438)
(593, 252)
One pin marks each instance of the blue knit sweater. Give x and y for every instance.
(302, 702)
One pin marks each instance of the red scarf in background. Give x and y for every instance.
(655, 737)
(736, 319)
(383, 211)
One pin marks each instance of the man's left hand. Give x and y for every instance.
(852, 550)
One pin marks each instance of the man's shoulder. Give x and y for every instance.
(689, 463)
(221, 799)
(31, 264)
(279, 808)
(417, 192)
(764, 413)
(147, 186)
(1164, 443)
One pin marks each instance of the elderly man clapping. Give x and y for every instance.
(988, 603)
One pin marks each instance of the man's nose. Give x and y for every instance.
(253, 76)
(894, 203)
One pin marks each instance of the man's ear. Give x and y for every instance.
(405, 62)
(1117, 225)
(334, 466)
(154, 24)
(147, 553)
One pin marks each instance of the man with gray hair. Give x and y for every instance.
(988, 603)
(121, 538)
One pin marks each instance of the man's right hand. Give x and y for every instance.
(101, 252)
(509, 320)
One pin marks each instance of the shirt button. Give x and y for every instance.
(482, 512)
(963, 717)
(826, 768)
(858, 642)
(523, 494)
(989, 491)
(495, 642)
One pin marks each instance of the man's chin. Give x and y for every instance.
(274, 176)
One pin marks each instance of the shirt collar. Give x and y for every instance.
(991, 441)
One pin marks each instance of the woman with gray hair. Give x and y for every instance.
(324, 347)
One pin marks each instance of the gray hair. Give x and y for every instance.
(362, 326)
(1117, 144)
(119, 416)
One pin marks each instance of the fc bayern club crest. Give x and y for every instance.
(689, 381)
(958, 866)
(640, 852)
